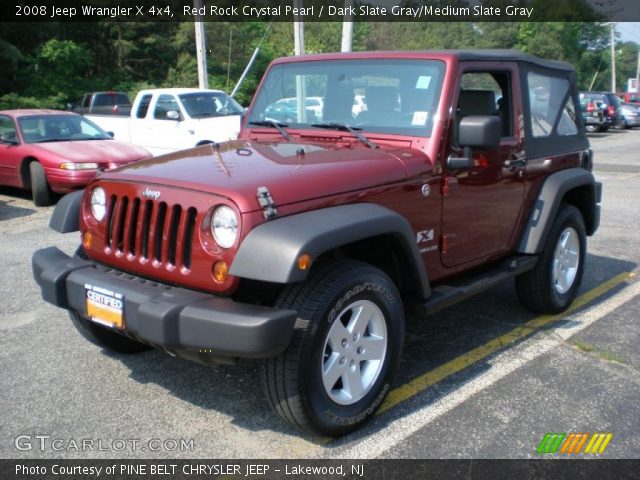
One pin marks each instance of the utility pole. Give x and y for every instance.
(201, 47)
(347, 28)
(613, 57)
(298, 30)
(298, 45)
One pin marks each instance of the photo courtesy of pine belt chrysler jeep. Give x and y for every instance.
(304, 243)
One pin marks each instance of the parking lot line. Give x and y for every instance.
(430, 378)
(499, 367)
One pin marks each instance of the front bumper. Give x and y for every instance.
(166, 317)
(64, 181)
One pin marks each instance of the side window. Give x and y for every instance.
(549, 103)
(86, 102)
(487, 93)
(166, 103)
(7, 129)
(568, 121)
(143, 106)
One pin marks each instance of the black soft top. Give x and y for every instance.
(509, 55)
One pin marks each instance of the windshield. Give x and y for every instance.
(210, 104)
(376, 95)
(59, 128)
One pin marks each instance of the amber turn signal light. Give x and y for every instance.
(304, 261)
(87, 240)
(220, 272)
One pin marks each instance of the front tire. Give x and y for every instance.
(344, 352)
(40, 191)
(553, 284)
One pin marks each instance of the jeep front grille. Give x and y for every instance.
(151, 231)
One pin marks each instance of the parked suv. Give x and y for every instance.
(611, 107)
(304, 244)
(593, 116)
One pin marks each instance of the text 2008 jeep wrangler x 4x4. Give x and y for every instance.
(303, 243)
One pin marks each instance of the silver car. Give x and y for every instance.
(630, 114)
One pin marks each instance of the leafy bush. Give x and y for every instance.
(13, 100)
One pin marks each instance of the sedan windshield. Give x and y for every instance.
(210, 104)
(372, 95)
(59, 128)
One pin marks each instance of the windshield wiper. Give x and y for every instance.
(277, 125)
(53, 140)
(344, 127)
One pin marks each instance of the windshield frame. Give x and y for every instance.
(422, 76)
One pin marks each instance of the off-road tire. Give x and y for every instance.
(102, 336)
(40, 191)
(294, 380)
(536, 288)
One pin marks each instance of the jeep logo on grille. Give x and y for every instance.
(152, 194)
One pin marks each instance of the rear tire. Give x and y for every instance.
(344, 352)
(553, 284)
(40, 191)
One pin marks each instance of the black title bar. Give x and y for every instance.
(314, 11)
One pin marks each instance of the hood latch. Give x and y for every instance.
(266, 202)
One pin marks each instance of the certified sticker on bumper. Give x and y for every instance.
(105, 306)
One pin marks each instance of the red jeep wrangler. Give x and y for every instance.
(304, 243)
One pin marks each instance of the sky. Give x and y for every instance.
(629, 31)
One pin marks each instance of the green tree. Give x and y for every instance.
(59, 69)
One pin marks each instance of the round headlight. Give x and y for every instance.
(224, 226)
(98, 203)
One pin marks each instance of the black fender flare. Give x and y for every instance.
(66, 214)
(270, 251)
(553, 191)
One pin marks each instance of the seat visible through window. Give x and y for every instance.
(381, 103)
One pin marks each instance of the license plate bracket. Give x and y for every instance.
(105, 306)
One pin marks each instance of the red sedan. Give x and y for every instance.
(55, 151)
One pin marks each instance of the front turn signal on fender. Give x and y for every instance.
(304, 261)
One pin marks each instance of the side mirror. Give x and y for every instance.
(173, 115)
(69, 106)
(480, 131)
(111, 134)
(476, 131)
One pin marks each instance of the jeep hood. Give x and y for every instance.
(292, 172)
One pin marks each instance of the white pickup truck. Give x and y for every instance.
(165, 120)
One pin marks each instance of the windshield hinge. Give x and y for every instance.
(266, 202)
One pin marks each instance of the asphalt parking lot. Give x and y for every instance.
(483, 379)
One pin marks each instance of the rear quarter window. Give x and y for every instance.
(552, 110)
